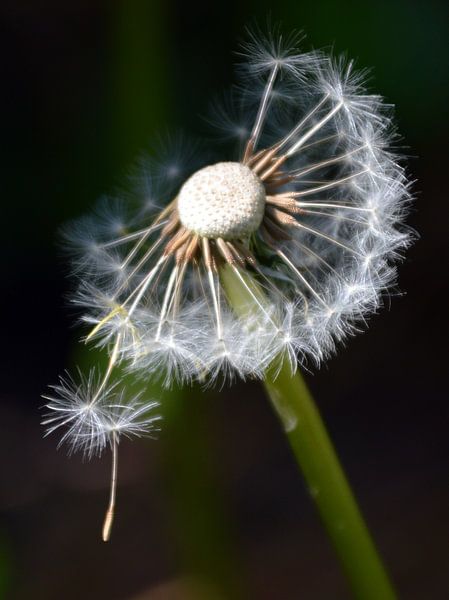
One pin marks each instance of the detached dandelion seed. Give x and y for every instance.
(94, 415)
(311, 209)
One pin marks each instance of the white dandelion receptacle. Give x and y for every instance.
(225, 200)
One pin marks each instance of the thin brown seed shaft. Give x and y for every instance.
(207, 252)
(225, 251)
(280, 180)
(181, 236)
(238, 256)
(167, 210)
(270, 154)
(273, 168)
(255, 157)
(279, 216)
(215, 262)
(248, 150)
(172, 225)
(109, 517)
(191, 249)
(248, 256)
(285, 203)
(180, 252)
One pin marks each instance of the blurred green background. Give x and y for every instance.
(216, 509)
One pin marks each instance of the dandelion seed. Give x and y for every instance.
(93, 415)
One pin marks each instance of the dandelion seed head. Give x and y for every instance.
(311, 210)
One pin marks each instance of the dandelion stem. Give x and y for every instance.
(327, 484)
(317, 459)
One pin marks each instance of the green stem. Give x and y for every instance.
(328, 485)
(316, 456)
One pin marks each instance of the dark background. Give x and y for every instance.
(217, 503)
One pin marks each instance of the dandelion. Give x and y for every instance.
(311, 208)
(305, 221)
